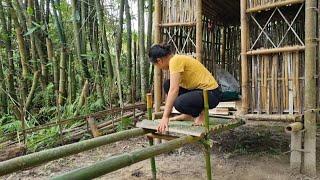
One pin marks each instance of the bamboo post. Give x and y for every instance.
(206, 124)
(38, 158)
(309, 165)
(296, 144)
(93, 127)
(157, 71)
(152, 159)
(244, 60)
(199, 30)
(157, 39)
(126, 159)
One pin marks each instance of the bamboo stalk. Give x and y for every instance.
(126, 159)
(38, 158)
(199, 32)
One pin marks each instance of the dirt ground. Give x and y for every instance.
(246, 153)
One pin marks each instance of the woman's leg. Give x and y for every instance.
(191, 103)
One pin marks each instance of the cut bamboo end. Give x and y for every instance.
(294, 127)
(149, 100)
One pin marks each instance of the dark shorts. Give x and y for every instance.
(191, 101)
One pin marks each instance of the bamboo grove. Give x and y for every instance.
(61, 58)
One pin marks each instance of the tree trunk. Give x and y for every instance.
(129, 49)
(143, 74)
(118, 51)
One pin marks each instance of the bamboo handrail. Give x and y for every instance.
(273, 117)
(38, 158)
(178, 24)
(126, 159)
(276, 50)
(273, 5)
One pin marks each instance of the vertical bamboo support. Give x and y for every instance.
(206, 124)
(244, 58)
(199, 30)
(310, 88)
(157, 71)
(223, 48)
(152, 159)
(295, 156)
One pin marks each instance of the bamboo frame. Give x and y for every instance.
(199, 31)
(273, 117)
(38, 158)
(178, 24)
(126, 159)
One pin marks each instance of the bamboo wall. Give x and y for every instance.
(178, 29)
(276, 80)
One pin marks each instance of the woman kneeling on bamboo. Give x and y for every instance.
(188, 79)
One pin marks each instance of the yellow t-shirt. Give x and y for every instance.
(193, 74)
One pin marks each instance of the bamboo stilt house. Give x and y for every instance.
(270, 46)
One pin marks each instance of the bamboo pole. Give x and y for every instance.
(38, 158)
(275, 50)
(126, 159)
(309, 165)
(244, 60)
(188, 24)
(157, 39)
(199, 32)
(295, 155)
(206, 124)
(273, 117)
(151, 143)
(273, 5)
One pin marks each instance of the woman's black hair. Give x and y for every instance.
(159, 51)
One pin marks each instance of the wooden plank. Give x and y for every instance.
(219, 111)
(186, 128)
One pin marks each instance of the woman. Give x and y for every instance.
(188, 79)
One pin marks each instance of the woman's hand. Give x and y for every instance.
(163, 125)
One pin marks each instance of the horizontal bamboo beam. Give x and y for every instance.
(273, 117)
(276, 50)
(38, 158)
(294, 127)
(273, 5)
(126, 159)
(178, 24)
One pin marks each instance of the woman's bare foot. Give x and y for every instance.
(199, 120)
(182, 117)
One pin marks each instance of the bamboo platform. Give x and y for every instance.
(185, 127)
